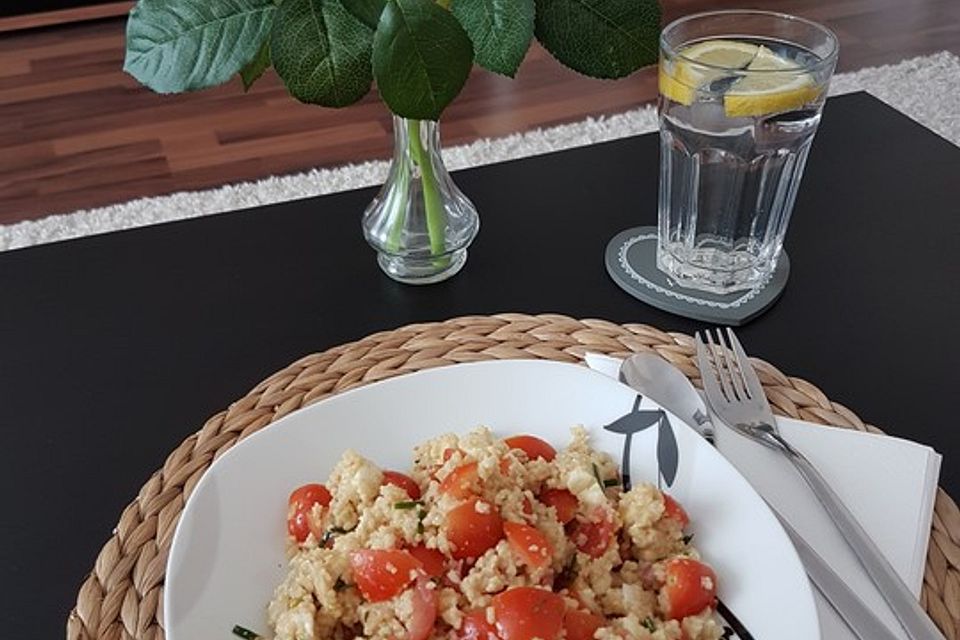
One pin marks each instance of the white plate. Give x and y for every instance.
(228, 550)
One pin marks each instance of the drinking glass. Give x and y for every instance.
(741, 93)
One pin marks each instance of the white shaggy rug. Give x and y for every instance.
(927, 89)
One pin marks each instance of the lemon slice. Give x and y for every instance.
(729, 54)
(754, 94)
(680, 78)
(770, 92)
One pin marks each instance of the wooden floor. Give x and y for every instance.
(76, 132)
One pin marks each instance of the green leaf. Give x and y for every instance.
(501, 31)
(321, 52)
(600, 38)
(252, 71)
(367, 11)
(183, 45)
(421, 58)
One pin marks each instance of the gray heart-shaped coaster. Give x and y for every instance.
(631, 259)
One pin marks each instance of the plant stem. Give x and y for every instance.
(432, 204)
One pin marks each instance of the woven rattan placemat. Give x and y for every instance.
(122, 596)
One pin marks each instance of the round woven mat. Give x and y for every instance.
(122, 596)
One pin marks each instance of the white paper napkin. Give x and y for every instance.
(888, 483)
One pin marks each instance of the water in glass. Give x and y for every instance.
(737, 118)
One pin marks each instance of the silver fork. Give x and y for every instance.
(736, 395)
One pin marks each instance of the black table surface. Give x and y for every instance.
(116, 347)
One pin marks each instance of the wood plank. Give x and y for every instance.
(62, 16)
(18, 67)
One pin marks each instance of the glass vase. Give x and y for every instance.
(420, 223)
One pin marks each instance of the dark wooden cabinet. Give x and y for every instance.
(25, 7)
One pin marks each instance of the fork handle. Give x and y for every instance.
(910, 614)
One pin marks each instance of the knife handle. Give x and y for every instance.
(848, 605)
(910, 614)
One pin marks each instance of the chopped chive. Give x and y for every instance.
(420, 517)
(340, 585)
(687, 538)
(407, 504)
(596, 474)
(649, 624)
(612, 482)
(331, 532)
(244, 633)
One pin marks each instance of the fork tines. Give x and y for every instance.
(730, 366)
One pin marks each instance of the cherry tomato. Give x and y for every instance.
(563, 501)
(689, 588)
(476, 627)
(527, 506)
(534, 447)
(529, 544)
(524, 613)
(593, 538)
(403, 481)
(673, 510)
(424, 610)
(383, 573)
(299, 506)
(433, 561)
(472, 528)
(462, 482)
(581, 624)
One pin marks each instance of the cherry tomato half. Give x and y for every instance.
(524, 613)
(581, 624)
(463, 482)
(529, 544)
(299, 506)
(690, 587)
(424, 610)
(534, 447)
(472, 528)
(403, 481)
(563, 501)
(593, 537)
(383, 573)
(433, 561)
(476, 627)
(673, 510)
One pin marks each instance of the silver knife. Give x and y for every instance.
(654, 377)
(848, 605)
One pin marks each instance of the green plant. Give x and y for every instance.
(420, 52)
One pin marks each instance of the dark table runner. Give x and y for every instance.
(116, 347)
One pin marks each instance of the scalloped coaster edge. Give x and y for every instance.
(631, 260)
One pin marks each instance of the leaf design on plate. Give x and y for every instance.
(668, 453)
(629, 424)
